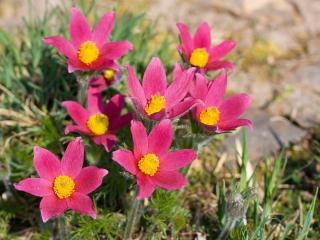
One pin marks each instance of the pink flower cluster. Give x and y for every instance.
(65, 184)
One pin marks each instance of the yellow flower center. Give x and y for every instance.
(88, 52)
(108, 74)
(149, 164)
(63, 186)
(98, 123)
(199, 57)
(210, 116)
(155, 104)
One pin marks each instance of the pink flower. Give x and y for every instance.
(100, 121)
(105, 79)
(151, 162)
(215, 113)
(89, 50)
(198, 52)
(63, 184)
(154, 99)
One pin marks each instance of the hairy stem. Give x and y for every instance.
(133, 219)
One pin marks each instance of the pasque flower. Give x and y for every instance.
(63, 184)
(214, 112)
(99, 121)
(154, 99)
(197, 51)
(89, 50)
(151, 161)
(105, 79)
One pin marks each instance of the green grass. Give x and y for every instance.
(279, 201)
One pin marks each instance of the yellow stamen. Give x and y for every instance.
(98, 123)
(149, 164)
(155, 104)
(63, 187)
(88, 52)
(108, 74)
(210, 116)
(199, 57)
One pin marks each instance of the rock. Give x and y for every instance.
(268, 136)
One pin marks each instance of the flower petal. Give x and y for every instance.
(154, 78)
(72, 160)
(179, 88)
(89, 179)
(103, 28)
(202, 37)
(139, 138)
(121, 122)
(114, 106)
(170, 180)
(107, 141)
(79, 28)
(217, 90)
(186, 39)
(62, 45)
(200, 89)
(146, 186)
(160, 138)
(81, 203)
(221, 50)
(233, 124)
(177, 159)
(51, 206)
(182, 108)
(78, 129)
(135, 89)
(115, 50)
(46, 163)
(76, 112)
(218, 65)
(234, 106)
(39, 187)
(126, 159)
(94, 99)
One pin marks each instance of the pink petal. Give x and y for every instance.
(146, 186)
(103, 28)
(233, 124)
(98, 83)
(139, 138)
(218, 65)
(46, 163)
(177, 159)
(62, 45)
(121, 122)
(76, 112)
(154, 78)
(39, 187)
(126, 159)
(51, 206)
(177, 71)
(115, 50)
(78, 129)
(114, 106)
(186, 39)
(182, 108)
(217, 90)
(107, 141)
(94, 101)
(221, 50)
(179, 88)
(202, 38)
(200, 89)
(72, 160)
(81, 203)
(160, 138)
(170, 180)
(71, 68)
(234, 106)
(79, 28)
(135, 88)
(89, 179)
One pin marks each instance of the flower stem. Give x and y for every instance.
(133, 219)
(82, 92)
